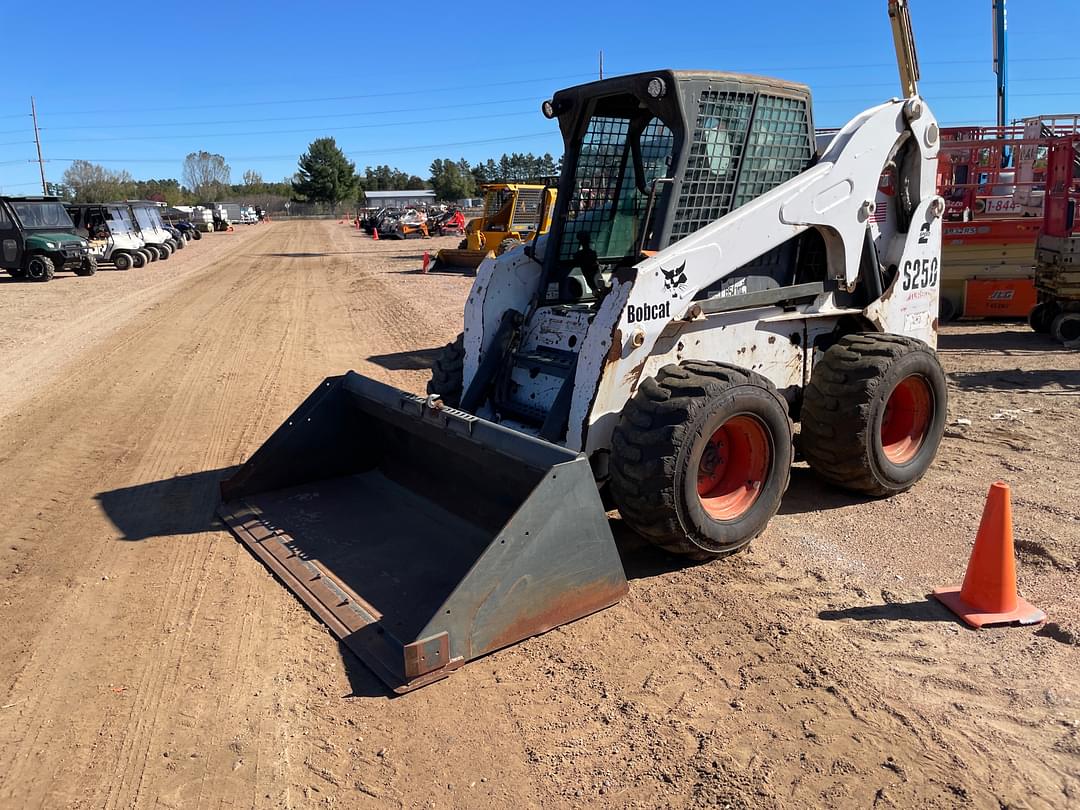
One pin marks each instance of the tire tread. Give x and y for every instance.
(645, 448)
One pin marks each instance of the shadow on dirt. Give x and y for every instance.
(640, 558)
(808, 493)
(1006, 341)
(6, 279)
(185, 504)
(363, 683)
(927, 610)
(415, 360)
(1018, 380)
(1062, 635)
(449, 271)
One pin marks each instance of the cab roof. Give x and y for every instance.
(706, 76)
(32, 199)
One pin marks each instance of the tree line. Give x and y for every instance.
(324, 175)
(205, 178)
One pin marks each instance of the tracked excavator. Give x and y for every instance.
(712, 277)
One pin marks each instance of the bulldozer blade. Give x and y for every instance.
(423, 536)
(448, 258)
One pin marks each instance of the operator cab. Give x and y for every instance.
(652, 158)
(649, 159)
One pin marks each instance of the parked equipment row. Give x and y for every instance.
(42, 236)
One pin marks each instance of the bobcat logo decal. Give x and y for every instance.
(674, 279)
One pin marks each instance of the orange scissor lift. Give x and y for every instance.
(993, 180)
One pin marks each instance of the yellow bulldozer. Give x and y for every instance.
(514, 214)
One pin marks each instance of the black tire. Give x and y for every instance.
(946, 309)
(164, 251)
(1040, 318)
(197, 235)
(448, 372)
(671, 440)
(508, 245)
(88, 267)
(39, 268)
(1065, 328)
(122, 261)
(155, 254)
(874, 413)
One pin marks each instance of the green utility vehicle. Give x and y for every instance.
(38, 240)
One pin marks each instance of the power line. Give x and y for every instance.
(378, 151)
(284, 131)
(516, 113)
(472, 86)
(277, 118)
(426, 108)
(19, 185)
(935, 98)
(941, 81)
(391, 94)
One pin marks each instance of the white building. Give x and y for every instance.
(399, 199)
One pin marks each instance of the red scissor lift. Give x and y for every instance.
(993, 180)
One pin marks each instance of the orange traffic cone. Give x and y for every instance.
(427, 260)
(375, 234)
(988, 595)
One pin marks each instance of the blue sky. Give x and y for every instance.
(137, 86)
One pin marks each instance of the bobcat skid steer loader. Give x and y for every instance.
(710, 277)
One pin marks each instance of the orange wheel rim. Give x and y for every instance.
(733, 467)
(906, 420)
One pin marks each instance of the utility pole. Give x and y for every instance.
(601, 64)
(37, 140)
(1001, 65)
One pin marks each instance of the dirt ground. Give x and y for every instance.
(148, 660)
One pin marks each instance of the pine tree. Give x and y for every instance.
(325, 174)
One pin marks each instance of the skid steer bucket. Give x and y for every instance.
(423, 536)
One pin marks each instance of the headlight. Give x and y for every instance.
(50, 246)
(84, 243)
(657, 87)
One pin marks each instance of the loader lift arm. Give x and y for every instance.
(907, 59)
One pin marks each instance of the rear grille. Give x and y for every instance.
(741, 149)
(708, 188)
